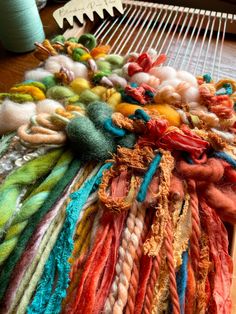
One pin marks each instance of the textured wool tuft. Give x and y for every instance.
(13, 115)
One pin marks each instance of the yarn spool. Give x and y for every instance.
(20, 25)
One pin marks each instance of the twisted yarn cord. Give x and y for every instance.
(196, 225)
(63, 249)
(153, 244)
(151, 285)
(36, 268)
(24, 176)
(82, 232)
(126, 235)
(12, 190)
(127, 265)
(203, 271)
(134, 280)
(26, 266)
(33, 222)
(171, 266)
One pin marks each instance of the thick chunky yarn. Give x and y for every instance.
(117, 174)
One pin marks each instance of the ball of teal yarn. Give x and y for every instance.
(88, 40)
(104, 66)
(59, 38)
(77, 54)
(99, 112)
(73, 39)
(59, 92)
(87, 141)
(128, 140)
(115, 61)
(49, 81)
(20, 25)
(87, 96)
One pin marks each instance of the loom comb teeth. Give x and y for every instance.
(78, 9)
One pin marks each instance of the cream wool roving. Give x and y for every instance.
(143, 230)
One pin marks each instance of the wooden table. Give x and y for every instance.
(13, 65)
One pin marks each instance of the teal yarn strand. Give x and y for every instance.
(24, 237)
(20, 25)
(148, 178)
(42, 303)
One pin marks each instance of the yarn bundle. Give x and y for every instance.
(117, 174)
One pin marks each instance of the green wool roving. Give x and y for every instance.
(88, 40)
(58, 39)
(23, 239)
(104, 66)
(115, 61)
(73, 39)
(40, 85)
(59, 92)
(87, 96)
(98, 112)
(89, 142)
(49, 81)
(77, 54)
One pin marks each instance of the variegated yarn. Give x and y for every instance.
(116, 175)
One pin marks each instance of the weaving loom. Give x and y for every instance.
(108, 186)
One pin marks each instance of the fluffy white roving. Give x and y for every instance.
(13, 115)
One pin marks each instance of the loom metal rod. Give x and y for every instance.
(159, 26)
(168, 33)
(222, 44)
(140, 30)
(179, 35)
(118, 26)
(209, 42)
(202, 44)
(129, 32)
(185, 34)
(216, 46)
(196, 39)
(166, 23)
(152, 28)
(190, 40)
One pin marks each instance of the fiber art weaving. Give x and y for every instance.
(117, 176)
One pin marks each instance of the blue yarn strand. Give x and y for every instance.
(182, 276)
(141, 114)
(110, 127)
(224, 156)
(148, 178)
(48, 297)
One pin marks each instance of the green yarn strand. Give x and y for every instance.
(26, 234)
(21, 177)
(5, 142)
(35, 201)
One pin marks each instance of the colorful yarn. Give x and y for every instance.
(148, 177)
(33, 221)
(63, 244)
(142, 232)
